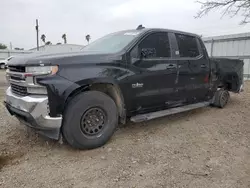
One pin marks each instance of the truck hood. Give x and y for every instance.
(38, 58)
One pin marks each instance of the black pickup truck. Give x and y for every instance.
(137, 74)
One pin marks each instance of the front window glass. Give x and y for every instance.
(156, 45)
(112, 43)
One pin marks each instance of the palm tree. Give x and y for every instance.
(88, 38)
(3, 46)
(43, 38)
(64, 38)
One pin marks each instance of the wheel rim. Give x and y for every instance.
(93, 121)
(224, 98)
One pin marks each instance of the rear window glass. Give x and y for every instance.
(188, 46)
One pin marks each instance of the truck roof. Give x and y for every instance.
(145, 30)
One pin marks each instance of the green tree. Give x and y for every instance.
(87, 37)
(43, 38)
(3, 46)
(227, 7)
(48, 43)
(18, 48)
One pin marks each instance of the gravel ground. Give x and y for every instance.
(208, 147)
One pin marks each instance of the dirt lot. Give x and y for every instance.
(208, 147)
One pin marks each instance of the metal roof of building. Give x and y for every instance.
(58, 45)
(240, 36)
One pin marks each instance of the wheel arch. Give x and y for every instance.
(110, 88)
(230, 81)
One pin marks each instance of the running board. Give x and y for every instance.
(154, 115)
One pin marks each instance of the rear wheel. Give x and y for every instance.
(221, 98)
(90, 120)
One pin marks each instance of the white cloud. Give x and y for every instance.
(132, 8)
(78, 18)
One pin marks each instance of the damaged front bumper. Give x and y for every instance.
(32, 110)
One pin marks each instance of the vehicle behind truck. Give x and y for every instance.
(135, 75)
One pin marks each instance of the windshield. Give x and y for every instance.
(112, 43)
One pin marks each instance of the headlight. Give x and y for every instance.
(42, 70)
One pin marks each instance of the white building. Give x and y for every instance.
(231, 46)
(59, 48)
(7, 53)
(46, 48)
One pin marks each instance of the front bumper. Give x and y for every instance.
(32, 111)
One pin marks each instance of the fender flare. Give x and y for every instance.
(85, 85)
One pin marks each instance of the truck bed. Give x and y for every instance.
(230, 71)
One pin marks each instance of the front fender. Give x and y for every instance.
(58, 88)
(89, 73)
(72, 79)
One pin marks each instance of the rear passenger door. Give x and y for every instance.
(193, 69)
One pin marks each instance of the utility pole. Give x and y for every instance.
(37, 35)
(10, 45)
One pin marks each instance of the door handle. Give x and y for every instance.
(203, 66)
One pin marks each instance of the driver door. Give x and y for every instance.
(153, 84)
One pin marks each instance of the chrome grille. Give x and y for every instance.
(19, 90)
(23, 84)
(16, 68)
(17, 78)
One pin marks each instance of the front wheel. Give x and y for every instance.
(90, 120)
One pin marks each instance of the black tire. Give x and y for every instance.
(76, 133)
(221, 98)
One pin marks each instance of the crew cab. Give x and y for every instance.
(137, 74)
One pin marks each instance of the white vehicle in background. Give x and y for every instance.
(3, 63)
